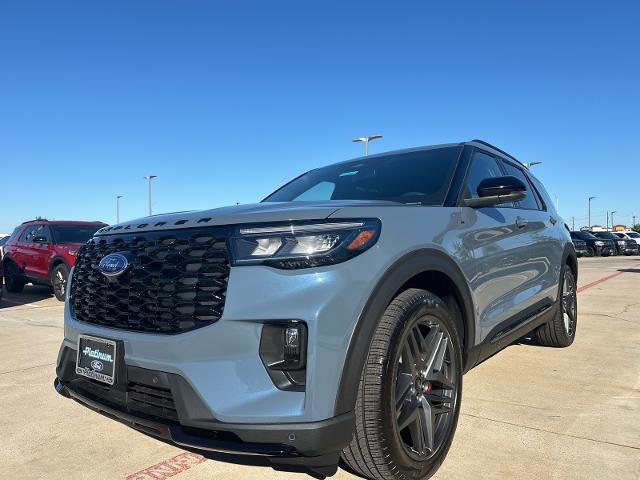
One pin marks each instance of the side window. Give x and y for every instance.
(530, 202)
(320, 191)
(27, 234)
(482, 166)
(35, 231)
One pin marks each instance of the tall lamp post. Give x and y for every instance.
(149, 178)
(590, 198)
(614, 211)
(118, 197)
(531, 164)
(366, 141)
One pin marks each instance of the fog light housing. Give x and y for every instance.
(283, 351)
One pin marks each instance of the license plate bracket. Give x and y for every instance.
(99, 358)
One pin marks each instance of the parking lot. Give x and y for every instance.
(530, 412)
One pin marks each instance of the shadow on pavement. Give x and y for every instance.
(629, 270)
(30, 294)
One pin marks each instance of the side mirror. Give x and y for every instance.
(497, 190)
(39, 240)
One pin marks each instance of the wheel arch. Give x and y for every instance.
(428, 269)
(57, 260)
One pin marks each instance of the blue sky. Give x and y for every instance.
(225, 101)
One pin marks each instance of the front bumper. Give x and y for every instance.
(165, 406)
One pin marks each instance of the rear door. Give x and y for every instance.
(501, 238)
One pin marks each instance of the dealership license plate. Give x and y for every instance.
(96, 358)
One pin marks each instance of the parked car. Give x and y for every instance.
(335, 318)
(3, 240)
(595, 246)
(580, 246)
(43, 252)
(623, 247)
(1, 281)
(634, 236)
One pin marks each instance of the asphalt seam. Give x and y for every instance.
(578, 437)
(27, 368)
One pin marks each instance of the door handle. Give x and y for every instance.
(521, 223)
(553, 220)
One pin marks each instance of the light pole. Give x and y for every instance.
(590, 198)
(531, 164)
(149, 178)
(614, 211)
(366, 141)
(118, 197)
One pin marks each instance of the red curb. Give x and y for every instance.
(168, 468)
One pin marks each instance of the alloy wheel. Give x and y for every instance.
(425, 390)
(569, 303)
(59, 284)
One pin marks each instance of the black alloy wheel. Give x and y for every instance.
(59, 279)
(425, 388)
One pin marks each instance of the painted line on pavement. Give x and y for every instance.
(603, 279)
(168, 468)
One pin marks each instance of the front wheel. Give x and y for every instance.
(409, 395)
(591, 252)
(561, 331)
(59, 277)
(13, 281)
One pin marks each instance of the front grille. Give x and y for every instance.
(176, 281)
(135, 399)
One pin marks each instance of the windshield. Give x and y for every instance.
(73, 233)
(634, 234)
(608, 235)
(421, 177)
(584, 235)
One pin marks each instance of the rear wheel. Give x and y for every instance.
(59, 277)
(409, 395)
(561, 331)
(13, 280)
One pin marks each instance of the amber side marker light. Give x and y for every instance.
(361, 239)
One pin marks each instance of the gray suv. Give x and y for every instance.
(333, 320)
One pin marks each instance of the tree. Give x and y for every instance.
(636, 227)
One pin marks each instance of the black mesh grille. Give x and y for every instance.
(176, 281)
(136, 398)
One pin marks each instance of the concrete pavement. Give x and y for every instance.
(529, 412)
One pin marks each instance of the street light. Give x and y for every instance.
(118, 197)
(614, 211)
(531, 164)
(590, 198)
(149, 178)
(366, 141)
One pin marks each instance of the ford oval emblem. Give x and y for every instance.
(113, 265)
(97, 365)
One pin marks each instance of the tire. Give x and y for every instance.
(394, 442)
(12, 280)
(561, 331)
(591, 252)
(59, 279)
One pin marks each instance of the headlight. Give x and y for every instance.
(599, 243)
(303, 245)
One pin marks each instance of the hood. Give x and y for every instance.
(237, 214)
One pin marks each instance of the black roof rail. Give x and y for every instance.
(496, 149)
(35, 220)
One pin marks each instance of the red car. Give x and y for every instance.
(43, 252)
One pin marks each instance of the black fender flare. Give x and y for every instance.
(405, 268)
(570, 257)
(55, 261)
